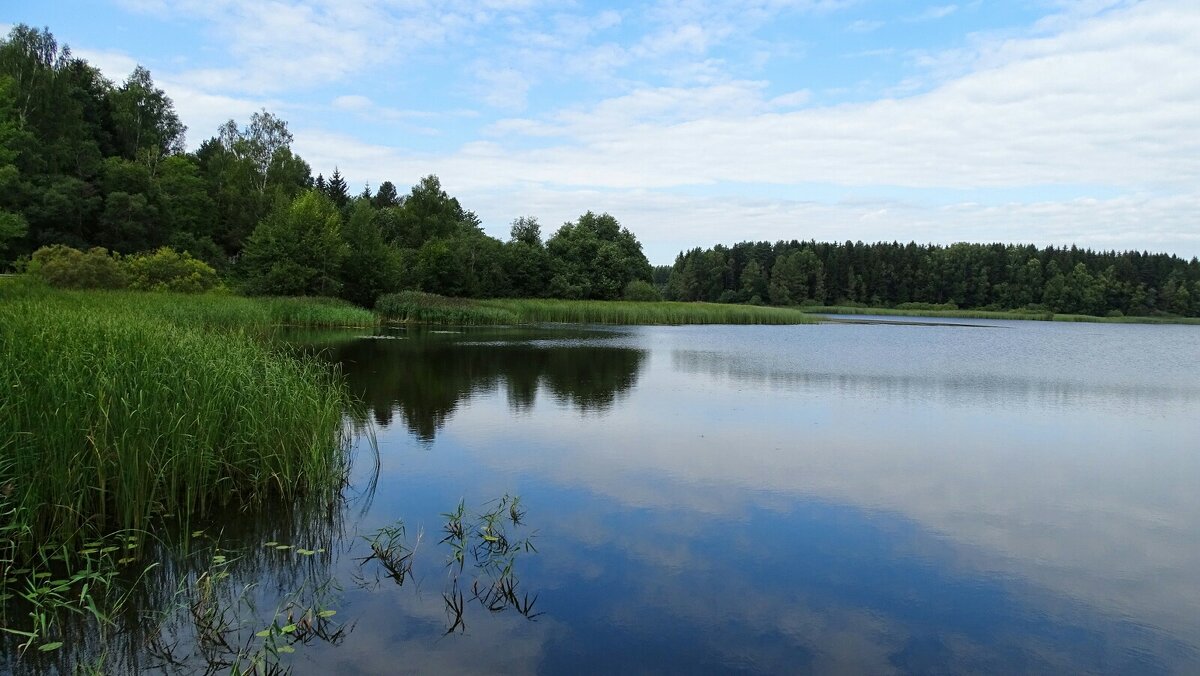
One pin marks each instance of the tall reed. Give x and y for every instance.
(115, 407)
(432, 309)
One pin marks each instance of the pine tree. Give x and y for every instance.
(386, 196)
(337, 190)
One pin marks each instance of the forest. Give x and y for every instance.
(95, 176)
(932, 277)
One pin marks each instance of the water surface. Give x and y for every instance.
(1017, 497)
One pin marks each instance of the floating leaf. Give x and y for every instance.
(128, 559)
(218, 559)
(327, 613)
(285, 649)
(263, 634)
(53, 645)
(283, 546)
(288, 629)
(306, 552)
(197, 533)
(272, 543)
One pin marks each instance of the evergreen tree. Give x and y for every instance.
(337, 190)
(386, 196)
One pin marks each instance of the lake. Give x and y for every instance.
(933, 497)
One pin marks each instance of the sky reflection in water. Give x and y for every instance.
(847, 498)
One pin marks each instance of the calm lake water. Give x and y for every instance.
(1020, 497)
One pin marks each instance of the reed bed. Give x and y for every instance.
(432, 309)
(648, 312)
(1028, 315)
(116, 407)
(416, 307)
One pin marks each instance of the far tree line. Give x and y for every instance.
(969, 276)
(86, 162)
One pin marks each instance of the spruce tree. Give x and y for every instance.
(337, 189)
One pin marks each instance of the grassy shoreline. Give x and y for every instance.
(1024, 315)
(118, 407)
(413, 307)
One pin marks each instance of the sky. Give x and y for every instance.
(697, 122)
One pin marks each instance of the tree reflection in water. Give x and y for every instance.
(424, 375)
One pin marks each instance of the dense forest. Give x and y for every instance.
(975, 276)
(93, 164)
(86, 163)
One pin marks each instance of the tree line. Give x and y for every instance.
(89, 163)
(968, 276)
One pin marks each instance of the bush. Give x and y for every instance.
(61, 266)
(169, 270)
(641, 290)
(430, 308)
(927, 306)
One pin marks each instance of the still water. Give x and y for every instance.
(1015, 497)
(953, 497)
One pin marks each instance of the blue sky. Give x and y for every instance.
(703, 121)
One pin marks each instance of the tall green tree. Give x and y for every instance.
(594, 257)
(296, 250)
(371, 267)
(338, 191)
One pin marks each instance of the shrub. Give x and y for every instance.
(641, 290)
(170, 270)
(61, 266)
(928, 306)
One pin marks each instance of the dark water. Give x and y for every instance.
(1017, 498)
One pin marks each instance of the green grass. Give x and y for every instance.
(428, 308)
(991, 314)
(116, 407)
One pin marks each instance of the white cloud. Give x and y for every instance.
(935, 12)
(864, 26)
(352, 102)
(1104, 104)
(112, 64)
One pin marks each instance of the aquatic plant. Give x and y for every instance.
(115, 407)
(417, 307)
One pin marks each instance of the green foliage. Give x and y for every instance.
(642, 291)
(12, 226)
(66, 268)
(169, 270)
(630, 312)
(427, 308)
(594, 258)
(114, 410)
(971, 276)
(297, 250)
(372, 266)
